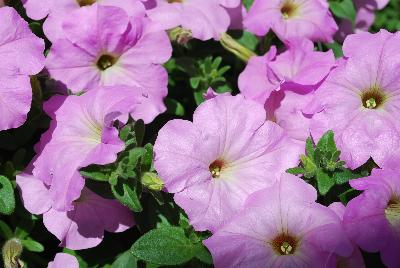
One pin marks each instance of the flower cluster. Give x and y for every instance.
(290, 160)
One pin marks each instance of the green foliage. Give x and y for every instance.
(343, 9)
(321, 165)
(388, 18)
(169, 245)
(7, 199)
(204, 74)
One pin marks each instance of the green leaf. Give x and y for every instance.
(296, 170)
(249, 40)
(32, 245)
(147, 159)
(203, 254)
(248, 3)
(344, 9)
(348, 195)
(327, 142)
(336, 48)
(310, 148)
(344, 176)
(195, 82)
(5, 231)
(7, 199)
(127, 196)
(125, 260)
(324, 182)
(95, 172)
(174, 107)
(164, 246)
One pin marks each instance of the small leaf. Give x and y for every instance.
(310, 148)
(7, 199)
(127, 196)
(296, 170)
(336, 48)
(324, 182)
(94, 172)
(147, 159)
(164, 246)
(174, 107)
(124, 260)
(5, 231)
(203, 254)
(348, 195)
(344, 9)
(344, 176)
(32, 245)
(216, 63)
(195, 82)
(327, 142)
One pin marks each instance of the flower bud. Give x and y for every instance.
(151, 181)
(12, 250)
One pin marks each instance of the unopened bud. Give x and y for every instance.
(151, 181)
(12, 250)
(235, 47)
(180, 35)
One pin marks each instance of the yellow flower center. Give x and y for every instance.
(392, 212)
(86, 2)
(216, 168)
(284, 244)
(289, 9)
(373, 98)
(106, 61)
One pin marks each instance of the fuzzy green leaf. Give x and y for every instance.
(127, 195)
(324, 182)
(32, 245)
(164, 246)
(296, 170)
(7, 199)
(126, 259)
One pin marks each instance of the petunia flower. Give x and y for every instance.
(359, 100)
(288, 19)
(64, 260)
(205, 19)
(280, 226)
(81, 134)
(365, 17)
(103, 46)
(372, 219)
(82, 227)
(356, 258)
(285, 83)
(227, 153)
(58, 11)
(21, 55)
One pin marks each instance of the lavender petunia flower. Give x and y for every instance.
(21, 55)
(81, 134)
(64, 260)
(103, 46)
(227, 153)
(58, 11)
(359, 100)
(205, 19)
(288, 19)
(372, 219)
(285, 84)
(364, 19)
(356, 258)
(280, 226)
(82, 227)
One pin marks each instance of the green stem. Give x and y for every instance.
(236, 48)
